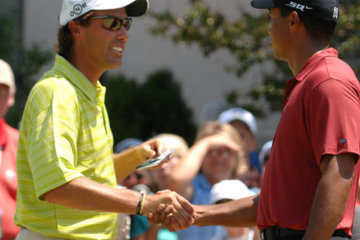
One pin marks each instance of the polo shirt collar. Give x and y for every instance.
(309, 66)
(78, 79)
(312, 62)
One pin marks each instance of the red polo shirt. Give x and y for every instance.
(8, 181)
(320, 116)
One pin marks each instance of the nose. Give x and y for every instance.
(123, 34)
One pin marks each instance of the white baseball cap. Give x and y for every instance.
(229, 189)
(239, 114)
(7, 75)
(265, 151)
(72, 9)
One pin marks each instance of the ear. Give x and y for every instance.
(75, 29)
(294, 21)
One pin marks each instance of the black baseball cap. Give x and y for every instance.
(324, 9)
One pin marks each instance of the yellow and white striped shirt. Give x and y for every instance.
(65, 134)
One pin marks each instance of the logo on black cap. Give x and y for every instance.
(298, 6)
(336, 13)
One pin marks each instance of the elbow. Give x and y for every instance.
(49, 196)
(56, 195)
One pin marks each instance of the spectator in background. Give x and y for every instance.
(126, 144)
(245, 123)
(8, 145)
(160, 176)
(229, 190)
(216, 155)
(159, 180)
(265, 154)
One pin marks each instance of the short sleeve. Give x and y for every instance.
(333, 118)
(52, 136)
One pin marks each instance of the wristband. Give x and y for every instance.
(140, 206)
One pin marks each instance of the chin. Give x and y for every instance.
(276, 56)
(114, 65)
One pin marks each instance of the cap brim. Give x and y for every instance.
(263, 4)
(137, 8)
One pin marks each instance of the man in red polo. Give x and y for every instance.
(310, 183)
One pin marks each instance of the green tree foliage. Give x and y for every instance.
(144, 110)
(246, 39)
(25, 62)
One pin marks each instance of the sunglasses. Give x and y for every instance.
(114, 23)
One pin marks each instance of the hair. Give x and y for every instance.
(318, 29)
(175, 142)
(65, 37)
(216, 127)
(169, 141)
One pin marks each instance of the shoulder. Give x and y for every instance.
(49, 85)
(332, 74)
(333, 68)
(51, 90)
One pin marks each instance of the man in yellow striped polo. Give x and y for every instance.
(66, 168)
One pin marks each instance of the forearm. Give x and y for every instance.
(85, 194)
(238, 213)
(186, 170)
(189, 167)
(126, 162)
(329, 202)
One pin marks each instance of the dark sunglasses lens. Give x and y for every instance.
(115, 24)
(127, 24)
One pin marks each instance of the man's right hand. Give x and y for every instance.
(170, 210)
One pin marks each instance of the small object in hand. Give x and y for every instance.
(155, 161)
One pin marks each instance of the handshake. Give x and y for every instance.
(167, 208)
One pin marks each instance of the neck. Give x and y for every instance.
(89, 69)
(303, 52)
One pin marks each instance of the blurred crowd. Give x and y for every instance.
(221, 165)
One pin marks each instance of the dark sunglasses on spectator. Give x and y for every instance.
(135, 174)
(114, 23)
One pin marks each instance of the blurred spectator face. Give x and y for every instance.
(132, 180)
(219, 164)
(247, 137)
(160, 175)
(6, 99)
